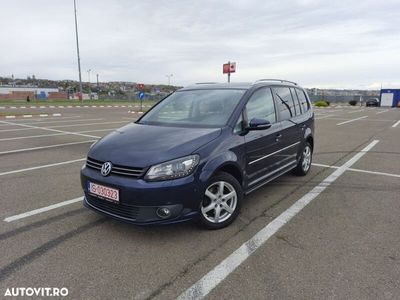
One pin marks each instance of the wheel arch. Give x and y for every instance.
(224, 163)
(310, 139)
(232, 169)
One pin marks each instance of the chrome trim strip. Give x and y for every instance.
(269, 180)
(273, 172)
(88, 164)
(126, 174)
(261, 158)
(133, 172)
(94, 163)
(128, 170)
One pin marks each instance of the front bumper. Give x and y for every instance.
(140, 200)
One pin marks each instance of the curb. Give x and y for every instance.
(72, 106)
(135, 112)
(31, 116)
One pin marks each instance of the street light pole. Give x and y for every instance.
(77, 51)
(169, 78)
(90, 91)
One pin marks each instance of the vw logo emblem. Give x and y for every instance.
(106, 168)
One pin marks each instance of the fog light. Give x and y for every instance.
(163, 212)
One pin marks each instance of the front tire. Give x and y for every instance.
(304, 164)
(221, 202)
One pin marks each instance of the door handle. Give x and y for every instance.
(278, 137)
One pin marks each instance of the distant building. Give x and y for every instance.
(22, 92)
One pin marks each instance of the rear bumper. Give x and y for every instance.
(140, 200)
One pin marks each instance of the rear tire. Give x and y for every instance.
(221, 203)
(304, 164)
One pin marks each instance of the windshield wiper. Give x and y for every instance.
(287, 105)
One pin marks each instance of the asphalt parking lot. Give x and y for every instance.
(334, 233)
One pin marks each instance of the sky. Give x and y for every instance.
(324, 44)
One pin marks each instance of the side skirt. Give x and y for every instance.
(271, 176)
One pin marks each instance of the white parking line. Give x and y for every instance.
(352, 120)
(369, 119)
(55, 134)
(58, 126)
(395, 124)
(209, 281)
(354, 111)
(55, 130)
(50, 118)
(323, 117)
(46, 147)
(359, 170)
(46, 121)
(41, 210)
(42, 166)
(381, 112)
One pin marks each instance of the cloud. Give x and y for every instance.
(316, 43)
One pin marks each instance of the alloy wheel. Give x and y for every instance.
(306, 163)
(219, 202)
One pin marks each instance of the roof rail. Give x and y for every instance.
(206, 82)
(280, 80)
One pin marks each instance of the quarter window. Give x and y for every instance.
(261, 105)
(285, 103)
(303, 100)
(239, 125)
(296, 102)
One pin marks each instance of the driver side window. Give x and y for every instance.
(261, 106)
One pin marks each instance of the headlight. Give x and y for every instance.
(173, 169)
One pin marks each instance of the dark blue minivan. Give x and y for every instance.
(195, 154)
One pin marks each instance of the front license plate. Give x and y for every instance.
(104, 192)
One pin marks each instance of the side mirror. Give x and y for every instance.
(259, 124)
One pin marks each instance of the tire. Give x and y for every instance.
(304, 164)
(214, 202)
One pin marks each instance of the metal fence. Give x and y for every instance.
(337, 99)
(158, 97)
(132, 97)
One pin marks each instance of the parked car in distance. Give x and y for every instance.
(198, 152)
(372, 102)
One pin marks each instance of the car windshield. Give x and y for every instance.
(195, 108)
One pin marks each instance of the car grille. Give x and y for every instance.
(125, 211)
(116, 169)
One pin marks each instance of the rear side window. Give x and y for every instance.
(285, 102)
(296, 102)
(261, 105)
(303, 100)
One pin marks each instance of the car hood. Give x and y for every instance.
(137, 145)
